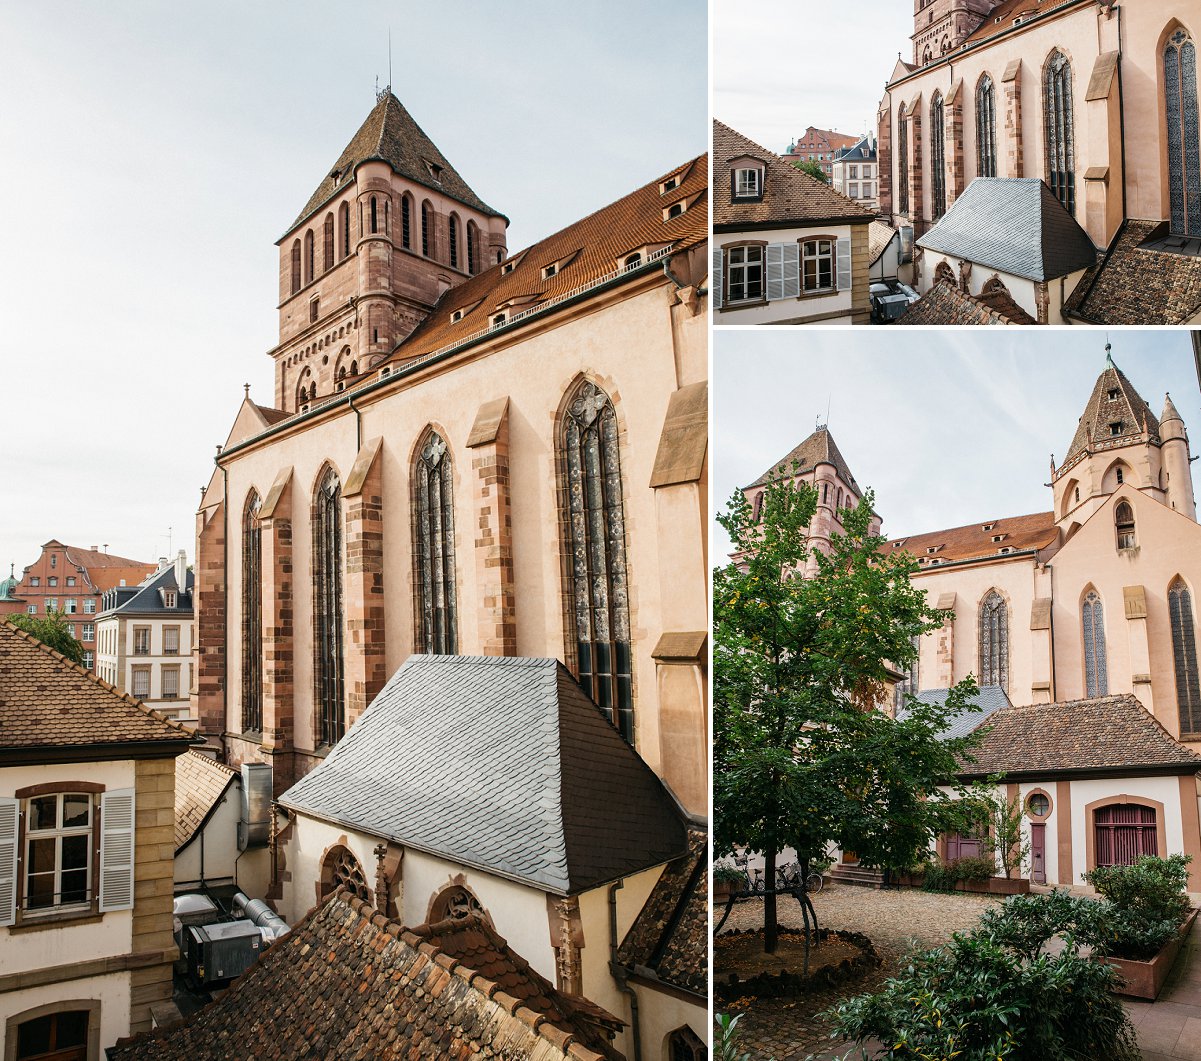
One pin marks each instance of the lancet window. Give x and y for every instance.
(994, 641)
(986, 128)
(1184, 134)
(328, 608)
(1092, 617)
(902, 165)
(252, 616)
(1184, 654)
(434, 539)
(1060, 131)
(938, 158)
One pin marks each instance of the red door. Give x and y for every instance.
(1124, 832)
(960, 845)
(1038, 852)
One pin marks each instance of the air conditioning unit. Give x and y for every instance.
(220, 952)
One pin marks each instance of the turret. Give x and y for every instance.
(1177, 474)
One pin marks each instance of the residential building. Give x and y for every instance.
(71, 580)
(144, 638)
(1096, 100)
(789, 249)
(819, 146)
(854, 172)
(86, 821)
(522, 474)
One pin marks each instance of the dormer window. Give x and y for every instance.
(988, 526)
(550, 270)
(169, 598)
(456, 316)
(1115, 429)
(1113, 394)
(1004, 550)
(507, 268)
(998, 537)
(931, 549)
(498, 320)
(632, 262)
(747, 184)
(675, 210)
(435, 171)
(668, 185)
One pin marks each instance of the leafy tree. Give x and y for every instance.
(814, 169)
(1000, 819)
(50, 629)
(803, 643)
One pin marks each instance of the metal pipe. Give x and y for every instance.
(620, 975)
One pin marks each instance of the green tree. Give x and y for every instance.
(801, 757)
(1000, 819)
(50, 629)
(814, 169)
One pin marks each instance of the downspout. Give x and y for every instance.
(670, 275)
(358, 425)
(1054, 690)
(620, 974)
(225, 602)
(1121, 117)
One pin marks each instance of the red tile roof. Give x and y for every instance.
(1001, 17)
(946, 304)
(200, 782)
(973, 541)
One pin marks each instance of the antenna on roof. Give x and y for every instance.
(389, 58)
(1108, 354)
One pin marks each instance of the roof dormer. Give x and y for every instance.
(747, 178)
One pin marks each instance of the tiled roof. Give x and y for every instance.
(989, 699)
(200, 782)
(818, 448)
(1134, 285)
(879, 236)
(96, 558)
(1108, 732)
(945, 303)
(971, 542)
(788, 194)
(272, 415)
(584, 253)
(148, 598)
(1001, 18)
(1014, 225)
(390, 135)
(669, 937)
(348, 983)
(46, 701)
(501, 763)
(1128, 409)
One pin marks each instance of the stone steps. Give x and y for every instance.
(842, 873)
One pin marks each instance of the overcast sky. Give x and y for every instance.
(780, 66)
(155, 151)
(949, 428)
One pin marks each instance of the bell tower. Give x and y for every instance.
(941, 26)
(389, 229)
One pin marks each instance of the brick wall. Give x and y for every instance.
(208, 697)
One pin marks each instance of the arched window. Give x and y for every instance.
(1184, 154)
(938, 158)
(912, 681)
(388, 215)
(456, 903)
(1060, 134)
(1123, 519)
(902, 165)
(454, 240)
(340, 869)
(434, 538)
(327, 607)
(344, 221)
(1184, 653)
(473, 254)
(406, 210)
(684, 1045)
(633, 261)
(374, 216)
(1092, 618)
(427, 235)
(1124, 832)
(599, 618)
(252, 616)
(994, 641)
(327, 243)
(943, 271)
(296, 281)
(986, 128)
(308, 257)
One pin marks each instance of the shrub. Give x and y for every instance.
(940, 877)
(976, 867)
(1026, 922)
(723, 871)
(1148, 901)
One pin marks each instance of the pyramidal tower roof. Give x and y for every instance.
(1114, 401)
(390, 135)
(818, 448)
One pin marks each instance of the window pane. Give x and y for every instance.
(74, 886)
(75, 851)
(43, 813)
(41, 855)
(77, 810)
(33, 1037)
(72, 1029)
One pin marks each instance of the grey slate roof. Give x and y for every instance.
(990, 699)
(1014, 225)
(500, 763)
(146, 599)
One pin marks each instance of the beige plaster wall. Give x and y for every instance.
(111, 991)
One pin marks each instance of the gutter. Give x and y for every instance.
(800, 222)
(620, 974)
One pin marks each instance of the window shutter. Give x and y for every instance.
(718, 270)
(844, 263)
(116, 850)
(792, 270)
(9, 816)
(775, 271)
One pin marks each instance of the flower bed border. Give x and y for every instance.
(1145, 979)
(992, 886)
(789, 984)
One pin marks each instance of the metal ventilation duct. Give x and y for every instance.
(254, 825)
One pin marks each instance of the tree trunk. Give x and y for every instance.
(771, 934)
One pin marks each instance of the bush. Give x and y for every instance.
(1148, 901)
(991, 995)
(940, 877)
(723, 871)
(943, 876)
(976, 867)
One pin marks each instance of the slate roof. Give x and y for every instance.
(47, 702)
(1014, 225)
(1128, 409)
(819, 447)
(349, 983)
(200, 782)
(1104, 733)
(390, 134)
(500, 763)
(990, 699)
(1136, 285)
(669, 939)
(859, 152)
(146, 598)
(788, 194)
(971, 542)
(946, 304)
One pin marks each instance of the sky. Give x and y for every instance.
(155, 152)
(780, 66)
(948, 428)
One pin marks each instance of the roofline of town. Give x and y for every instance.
(765, 226)
(1085, 773)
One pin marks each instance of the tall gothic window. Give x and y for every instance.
(406, 213)
(473, 235)
(434, 539)
(1060, 133)
(327, 243)
(1096, 676)
(590, 477)
(1184, 652)
(1184, 134)
(252, 617)
(427, 220)
(454, 241)
(374, 216)
(327, 607)
(295, 266)
(938, 159)
(902, 165)
(986, 128)
(308, 256)
(1123, 521)
(994, 641)
(344, 221)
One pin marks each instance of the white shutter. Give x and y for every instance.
(844, 263)
(792, 270)
(116, 850)
(775, 271)
(718, 272)
(9, 816)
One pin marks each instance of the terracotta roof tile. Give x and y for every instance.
(347, 982)
(946, 304)
(973, 541)
(879, 236)
(1128, 410)
(788, 193)
(1001, 17)
(46, 701)
(200, 782)
(818, 448)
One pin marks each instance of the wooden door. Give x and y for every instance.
(1038, 852)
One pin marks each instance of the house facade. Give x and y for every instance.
(819, 146)
(854, 173)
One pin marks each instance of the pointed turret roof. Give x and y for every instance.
(1169, 415)
(391, 135)
(1114, 401)
(818, 448)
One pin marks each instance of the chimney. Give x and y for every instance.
(162, 563)
(181, 571)
(93, 548)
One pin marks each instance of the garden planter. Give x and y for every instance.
(1145, 979)
(995, 886)
(723, 889)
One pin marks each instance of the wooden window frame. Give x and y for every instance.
(90, 1005)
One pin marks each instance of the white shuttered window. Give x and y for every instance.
(116, 850)
(9, 817)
